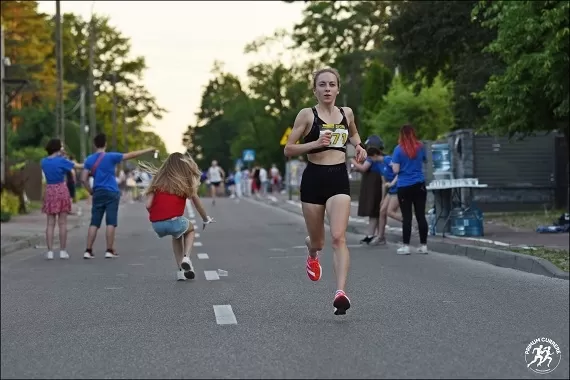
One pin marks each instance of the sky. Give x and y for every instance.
(180, 41)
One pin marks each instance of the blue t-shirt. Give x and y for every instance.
(411, 170)
(389, 174)
(375, 166)
(55, 169)
(104, 178)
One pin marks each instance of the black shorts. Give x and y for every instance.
(321, 182)
(215, 183)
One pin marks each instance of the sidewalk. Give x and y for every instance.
(24, 231)
(496, 235)
(482, 249)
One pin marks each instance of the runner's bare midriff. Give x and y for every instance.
(328, 157)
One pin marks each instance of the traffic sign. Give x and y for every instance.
(248, 155)
(285, 137)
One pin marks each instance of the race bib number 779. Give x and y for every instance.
(339, 135)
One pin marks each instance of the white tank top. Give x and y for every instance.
(215, 174)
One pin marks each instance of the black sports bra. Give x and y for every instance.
(339, 137)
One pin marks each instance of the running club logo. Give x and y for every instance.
(542, 355)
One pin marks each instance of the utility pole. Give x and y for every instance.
(90, 84)
(114, 80)
(82, 125)
(125, 149)
(2, 108)
(60, 109)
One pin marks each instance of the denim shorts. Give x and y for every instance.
(175, 227)
(105, 203)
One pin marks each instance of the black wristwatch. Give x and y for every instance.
(362, 146)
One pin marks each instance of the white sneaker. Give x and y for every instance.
(180, 276)
(63, 255)
(186, 265)
(88, 255)
(423, 249)
(403, 250)
(49, 255)
(110, 255)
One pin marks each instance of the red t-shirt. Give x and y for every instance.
(166, 206)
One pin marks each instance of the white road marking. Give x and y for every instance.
(136, 265)
(197, 244)
(197, 235)
(224, 315)
(122, 275)
(211, 275)
(111, 288)
(203, 256)
(277, 249)
(193, 221)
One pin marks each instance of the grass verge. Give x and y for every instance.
(524, 220)
(558, 257)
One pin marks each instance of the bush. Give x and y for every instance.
(81, 193)
(430, 112)
(9, 203)
(5, 216)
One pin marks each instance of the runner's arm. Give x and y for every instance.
(352, 130)
(291, 148)
(363, 168)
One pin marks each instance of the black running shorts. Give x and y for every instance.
(321, 182)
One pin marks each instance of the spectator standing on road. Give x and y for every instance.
(407, 163)
(57, 200)
(177, 180)
(101, 165)
(370, 191)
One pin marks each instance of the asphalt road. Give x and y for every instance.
(433, 316)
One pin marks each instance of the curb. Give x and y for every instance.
(493, 256)
(31, 241)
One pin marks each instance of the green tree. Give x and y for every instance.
(112, 55)
(377, 80)
(211, 138)
(533, 41)
(29, 45)
(346, 35)
(430, 111)
(433, 37)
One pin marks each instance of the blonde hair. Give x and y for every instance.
(179, 174)
(326, 70)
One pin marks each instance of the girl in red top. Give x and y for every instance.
(175, 181)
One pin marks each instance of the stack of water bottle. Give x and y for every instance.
(464, 222)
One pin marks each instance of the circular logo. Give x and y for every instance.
(542, 355)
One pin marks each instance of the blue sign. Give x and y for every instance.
(248, 155)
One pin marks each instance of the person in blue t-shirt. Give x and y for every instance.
(370, 191)
(407, 162)
(101, 165)
(390, 207)
(57, 201)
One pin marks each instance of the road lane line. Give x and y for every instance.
(197, 235)
(224, 315)
(203, 256)
(197, 244)
(211, 275)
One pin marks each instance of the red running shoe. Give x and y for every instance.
(341, 303)
(313, 268)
